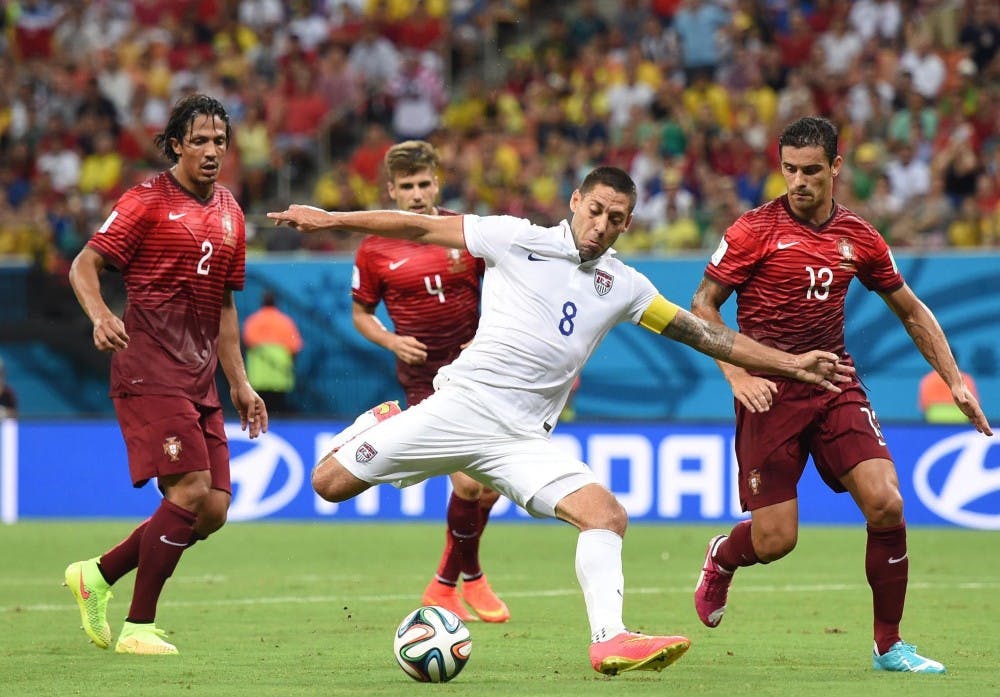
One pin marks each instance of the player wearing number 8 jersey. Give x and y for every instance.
(550, 294)
(790, 263)
(179, 242)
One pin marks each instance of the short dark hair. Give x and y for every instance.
(615, 177)
(810, 131)
(182, 118)
(409, 157)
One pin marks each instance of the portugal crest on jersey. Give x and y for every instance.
(845, 249)
(172, 448)
(603, 282)
(228, 236)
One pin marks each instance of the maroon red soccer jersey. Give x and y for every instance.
(792, 278)
(177, 254)
(430, 292)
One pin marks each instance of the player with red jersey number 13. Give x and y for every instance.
(790, 263)
(179, 242)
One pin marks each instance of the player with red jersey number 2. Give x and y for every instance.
(179, 242)
(432, 297)
(790, 263)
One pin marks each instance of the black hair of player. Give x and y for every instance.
(182, 119)
(808, 132)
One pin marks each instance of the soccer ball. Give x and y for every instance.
(432, 644)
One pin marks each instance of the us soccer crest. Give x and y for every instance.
(228, 236)
(603, 282)
(365, 453)
(172, 448)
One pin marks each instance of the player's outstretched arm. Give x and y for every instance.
(719, 341)
(443, 230)
(754, 392)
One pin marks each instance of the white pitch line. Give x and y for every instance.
(347, 599)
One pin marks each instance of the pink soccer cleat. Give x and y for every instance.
(632, 651)
(712, 591)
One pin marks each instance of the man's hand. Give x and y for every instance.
(303, 218)
(109, 333)
(251, 408)
(409, 350)
(969, 405)
(754, 392)
(823, 368)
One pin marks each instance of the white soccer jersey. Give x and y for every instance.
(543, 314)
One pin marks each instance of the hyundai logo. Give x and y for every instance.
(961, 461)
(254, 470)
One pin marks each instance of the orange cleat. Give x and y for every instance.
(632, 651)
(484, 602)
(446, 596)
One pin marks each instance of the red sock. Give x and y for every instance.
(470, 559)
(123, 557)
(462, 546)
(737, 550)
(888, 570)
(168, 533)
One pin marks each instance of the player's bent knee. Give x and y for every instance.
(774, 546)
(334, 483)
(465, 487)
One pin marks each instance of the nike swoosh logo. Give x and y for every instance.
(176, 216)
(164, 540)
(393, 265)
(893, 560)
(84, 593)
(786, 245)
(532, 257)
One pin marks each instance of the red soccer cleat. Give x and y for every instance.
(631, 651)
(446, 596)
(484, 602)
(712, 591)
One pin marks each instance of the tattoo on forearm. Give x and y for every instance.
(716, 340)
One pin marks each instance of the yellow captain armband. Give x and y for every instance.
(658, 315)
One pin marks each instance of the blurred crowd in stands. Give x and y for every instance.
(520, 97)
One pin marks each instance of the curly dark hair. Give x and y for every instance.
(810, 131)
(182, 118)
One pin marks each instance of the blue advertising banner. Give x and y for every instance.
(660, 473)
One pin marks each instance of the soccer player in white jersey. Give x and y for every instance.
(550, 294)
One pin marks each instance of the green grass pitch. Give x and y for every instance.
(310, 609)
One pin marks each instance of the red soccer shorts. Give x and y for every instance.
(172, 435)
(838, 430)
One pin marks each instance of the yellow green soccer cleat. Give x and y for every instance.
(92, 593)
(144, 639)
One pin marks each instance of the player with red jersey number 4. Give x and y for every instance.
(179, 242)
(432, 296)
(790, 263)
(550, 295)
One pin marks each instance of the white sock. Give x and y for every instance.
(599, 571)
